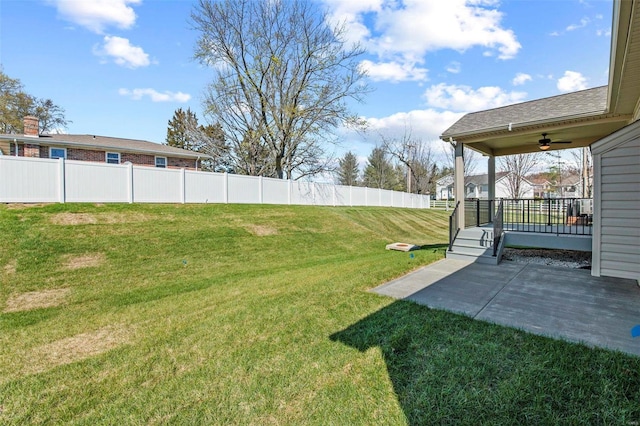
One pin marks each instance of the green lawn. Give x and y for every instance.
(230, 314)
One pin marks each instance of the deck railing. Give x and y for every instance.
(550, 215)
(453, 225)
(498, 226)
(477, 212)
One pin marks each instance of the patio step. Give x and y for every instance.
(474, 244)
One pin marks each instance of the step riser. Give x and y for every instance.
(472, 251)
(475, 234)
(468, 242)
(489, 260)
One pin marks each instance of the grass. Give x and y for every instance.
(232, 314)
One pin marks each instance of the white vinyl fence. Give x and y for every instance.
(39, 180)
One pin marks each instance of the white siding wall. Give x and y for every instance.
(617, 206)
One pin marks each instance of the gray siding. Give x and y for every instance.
(620, 210)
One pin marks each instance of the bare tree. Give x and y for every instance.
(470, 157)
(416, 155)
(517, 167)
(282, 81)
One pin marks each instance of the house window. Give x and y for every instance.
(161, 162)
(57, 152)
(113, 157)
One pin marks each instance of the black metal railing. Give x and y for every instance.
(453, 226)
(549, 215)
(477, 212)
(498, 226)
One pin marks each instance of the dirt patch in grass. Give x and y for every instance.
(20, 206)
(90, 260)
(80, 346)
(261, 230)
(36, 300)
(97, 218)
(10, 268)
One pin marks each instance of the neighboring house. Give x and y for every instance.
(96, 148)
(444, 188)
(477, 186)
(542, 188)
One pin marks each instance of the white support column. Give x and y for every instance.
(458, 185)
(491, 168)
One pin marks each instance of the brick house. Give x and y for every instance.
(96, 148)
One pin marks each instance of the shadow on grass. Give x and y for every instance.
(448, 368)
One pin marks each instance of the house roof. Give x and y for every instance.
(107, 143)
(577, 104)
(581, 117)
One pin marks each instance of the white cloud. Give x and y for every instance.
(404, 32)
(583, 23)
(155, 96)
(520, 79)
(393, 71)
(96, 15)
(572, 81)
(123, 52)
(464, 98)
(427, 124)
(454, 67)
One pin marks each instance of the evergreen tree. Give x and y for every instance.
(348, 170)
(180, 132)
(379, 172)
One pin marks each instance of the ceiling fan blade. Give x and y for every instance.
(562, 142)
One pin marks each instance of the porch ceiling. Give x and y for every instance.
(581, 132)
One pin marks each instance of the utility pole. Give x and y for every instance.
(585, 172)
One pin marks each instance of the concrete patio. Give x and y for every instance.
(562, 303)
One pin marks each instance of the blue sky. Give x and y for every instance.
(122, 67)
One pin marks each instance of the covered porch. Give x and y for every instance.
(605, 119)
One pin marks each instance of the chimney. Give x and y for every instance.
(31, 126)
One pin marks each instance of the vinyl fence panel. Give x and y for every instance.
(108, 182)
(202, 187)
(243, 189)
(38, 180)
(343, 195)
(31, 180)
(154, 185)
(275, 191)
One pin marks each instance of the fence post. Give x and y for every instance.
(61, 181)
(260, 190)
(130, 181)
(226, 188)
(289, 191)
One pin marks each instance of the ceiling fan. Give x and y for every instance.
(545, 142)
